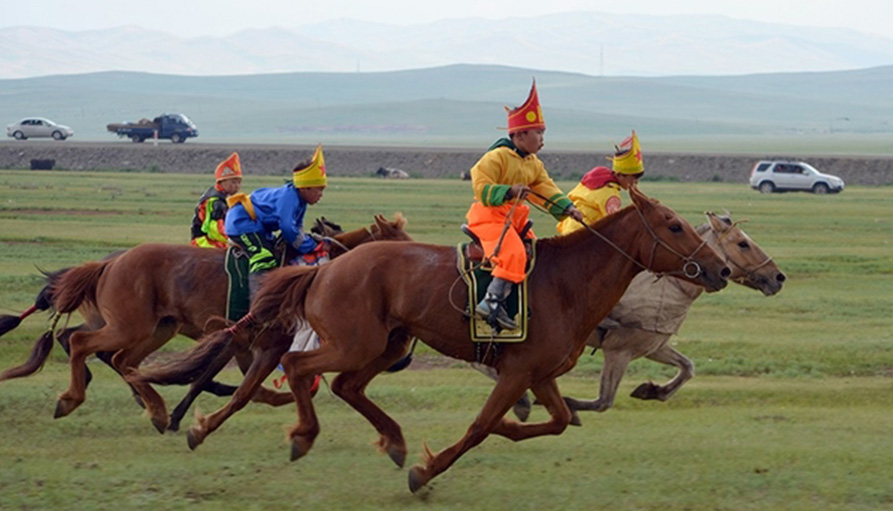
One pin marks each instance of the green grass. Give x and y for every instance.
(789, 410)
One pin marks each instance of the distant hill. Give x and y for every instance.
(593, 43)
(462, 105)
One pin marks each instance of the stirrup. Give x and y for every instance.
(496, 317)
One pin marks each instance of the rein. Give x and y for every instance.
(690, 267)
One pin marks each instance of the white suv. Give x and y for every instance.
(782, 176)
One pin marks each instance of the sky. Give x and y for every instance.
(224, 17)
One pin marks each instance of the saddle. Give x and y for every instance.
(477, 277)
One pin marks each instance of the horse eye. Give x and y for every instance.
(743, 244)
(675, 228)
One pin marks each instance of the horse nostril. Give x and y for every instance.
(780, 277)
(725, 272)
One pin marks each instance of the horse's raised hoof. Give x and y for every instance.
(646, 391)
(296, 450)
(521, 408)
(575, 419)
(64, 407)
(193, 440)
(160, 425)
(397, 455)
(417, 478)
(174, 425)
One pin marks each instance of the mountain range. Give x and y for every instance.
(591, 43)
(463, 106)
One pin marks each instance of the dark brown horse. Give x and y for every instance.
(367, 304)
(136, 302)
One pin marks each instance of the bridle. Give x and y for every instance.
(748, 273)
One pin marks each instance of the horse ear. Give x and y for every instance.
(719, 224)
(638, 198)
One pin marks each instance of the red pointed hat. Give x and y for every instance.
(528, 116)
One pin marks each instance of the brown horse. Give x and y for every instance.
(391, 291)
(136, 302)
(652, 310)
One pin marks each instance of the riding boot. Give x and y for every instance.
(492, 307)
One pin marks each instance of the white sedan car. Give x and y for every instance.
(38, 127)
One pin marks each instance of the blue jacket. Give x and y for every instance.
(277, 209)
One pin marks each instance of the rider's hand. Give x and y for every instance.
(572, 211)
(516, 191)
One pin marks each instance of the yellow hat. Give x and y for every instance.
(313, 174)
(229, 168)
(528, 116)
(628, 158)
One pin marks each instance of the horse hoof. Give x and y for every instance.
(397, 455)
(160, 425)
(645, 391)
(174, 425)
(417, 478)
(521, 409)
(63, 408)
(296, 450)
(192, 440)
(575, 419)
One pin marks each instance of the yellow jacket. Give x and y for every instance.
(502, 166)
(595, 204)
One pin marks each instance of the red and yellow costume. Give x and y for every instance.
(598, 193)
(210, 212)
(502, 166)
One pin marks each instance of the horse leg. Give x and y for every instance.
(62, 339)
(265, 360)
(506, 392)
(613, 369)
(204, 383)
(81, 345)
(263, 394)
(128, 360)
(302, 366)
(547, 393)
(666, 355)
(351, 386)
(522, 407)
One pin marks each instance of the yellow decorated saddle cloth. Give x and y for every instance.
(477, 276)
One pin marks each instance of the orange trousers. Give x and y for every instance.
(487, 222)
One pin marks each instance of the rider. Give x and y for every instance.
(501, 179)
(207, 223)
(252, 220)
(598, 193)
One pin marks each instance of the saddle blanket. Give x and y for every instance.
(478, 276)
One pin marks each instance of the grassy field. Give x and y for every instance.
(790, 409)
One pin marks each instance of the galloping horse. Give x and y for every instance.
(137, 301)
(652, 310)
(392, 291)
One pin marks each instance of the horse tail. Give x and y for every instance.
(39, 354)
(44, 301)
(191, 366)
(77, 285)
(282, 295)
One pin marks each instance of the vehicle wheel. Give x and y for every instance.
(767, 187)
(57, 135)
(820, 188)
(136, 139)
(176, 138)
(18, 135)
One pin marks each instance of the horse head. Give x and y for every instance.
(750, 266)
(390, 230)
(675, 247)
